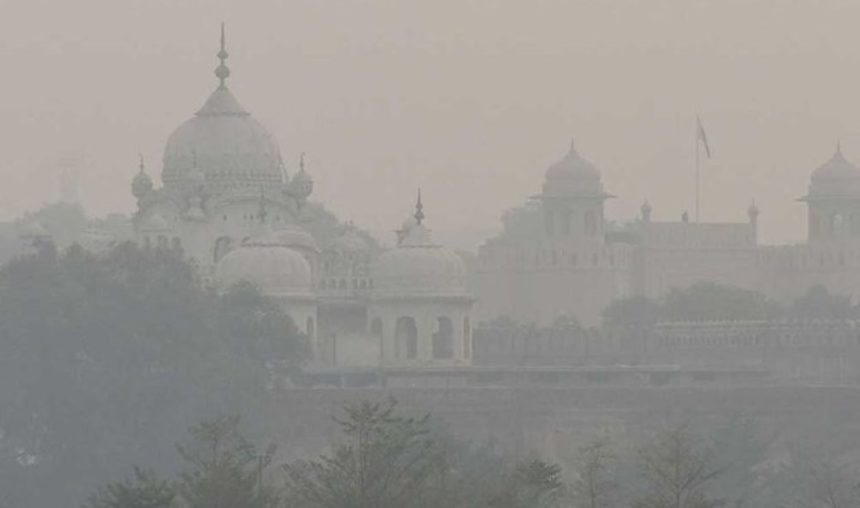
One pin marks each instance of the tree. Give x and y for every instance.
(707, 301)
(677, 470)
(532, 484)
(145, 490)
(225, 470)
(632, 311)
(385, 461)
(106, 359)
(594, 482)
(819, 303)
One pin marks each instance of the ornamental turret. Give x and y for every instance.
(141, 185)
(302, 185)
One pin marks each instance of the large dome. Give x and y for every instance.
(222, 145)
(276, 270)
(226, 143)
(419, 268)
(572, 175)
(837, 176)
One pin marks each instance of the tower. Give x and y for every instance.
(833, 201)
(572, 199)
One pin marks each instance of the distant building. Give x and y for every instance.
(228, 203)
(559, 257)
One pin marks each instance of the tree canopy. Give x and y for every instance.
(107, 358)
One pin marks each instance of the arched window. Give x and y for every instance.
(443, 339)
(406, 337)
(467, 338)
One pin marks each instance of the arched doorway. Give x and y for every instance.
(443, 339)
(406, 337)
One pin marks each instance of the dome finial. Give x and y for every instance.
(419, 209)
(222, 72)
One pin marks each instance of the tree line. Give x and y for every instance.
(387, 457)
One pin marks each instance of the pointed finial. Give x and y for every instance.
(194, 158)
(140, 162)
(302, 161)
(572, 144)
(419, 209)
(838, 145)
(222, 72)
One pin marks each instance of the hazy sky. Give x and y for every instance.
(470, 100)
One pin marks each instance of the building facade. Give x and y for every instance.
(559, 257)
(228, 204)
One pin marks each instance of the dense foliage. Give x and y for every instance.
(106, 359)
(706, 301)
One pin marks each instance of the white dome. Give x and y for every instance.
(276, 270)
(837, 176)
(572, 175)
(226, 144)
(419, 268)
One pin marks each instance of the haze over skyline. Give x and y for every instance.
(471, 101)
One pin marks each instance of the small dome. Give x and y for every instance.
(837, 176)
(302, 177)
(419, 268)
(290, 235)
(572, 175)
(226, 143)
(141, 185)
(408, 224)
(276, 270)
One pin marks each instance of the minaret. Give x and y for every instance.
(141, 185)
(646, 211)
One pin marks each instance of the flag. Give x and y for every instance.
(701, 137)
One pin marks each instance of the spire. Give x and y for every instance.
(419, 209)
(572, 145)
(222, 72)
(140, 163)
(302, 162)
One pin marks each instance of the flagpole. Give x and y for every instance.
(696, 139)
